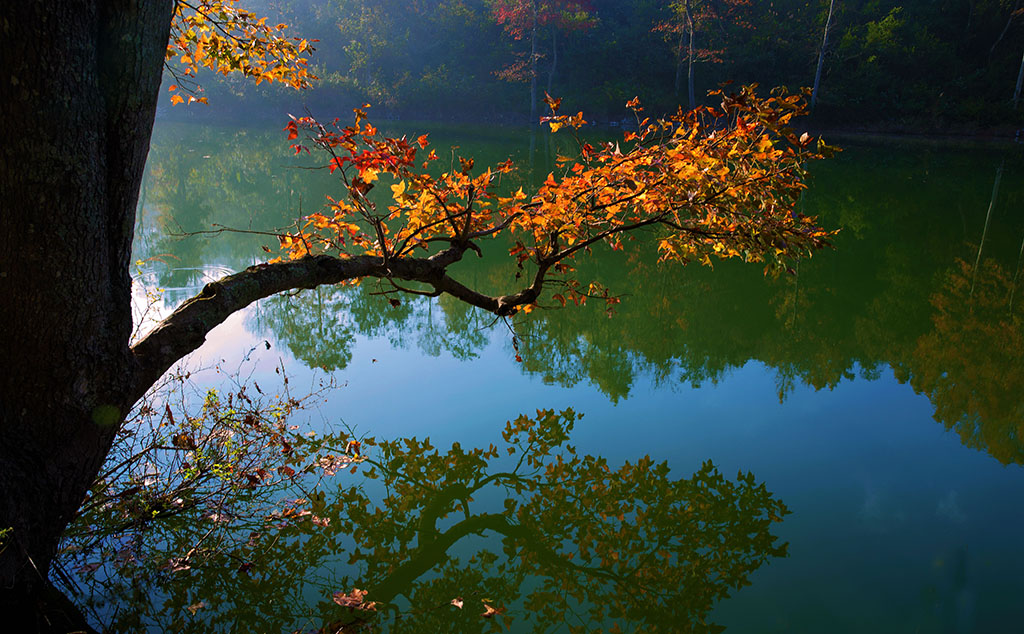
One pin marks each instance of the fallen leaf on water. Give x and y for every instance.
(353, 600)
(490, 611)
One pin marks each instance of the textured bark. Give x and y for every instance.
(79, 88)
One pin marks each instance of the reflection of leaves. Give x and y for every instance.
(354, 600)
(531, 534)
(971, 365)
(319, 326)
(315, 326)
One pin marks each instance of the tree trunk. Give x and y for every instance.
(821, 54)
(78, 113)
(554, 58)
(689, 73)
(679, 62)
(533, 68)
(1009, 22)
(1020, 80)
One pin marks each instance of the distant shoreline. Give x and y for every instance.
(871, 132)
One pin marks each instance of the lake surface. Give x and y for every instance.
(878, 392)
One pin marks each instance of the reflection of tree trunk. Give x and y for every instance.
(984, 232)
(533, 147)
(796, 294)
(821, 54)
(689, 73)
(1016, 274)
(549, 154)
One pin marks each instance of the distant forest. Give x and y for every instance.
(925, 65)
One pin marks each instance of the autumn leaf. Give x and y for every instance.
(491, 611)
(354, 600)
(713, 183)
(552, 103)
(219, 36)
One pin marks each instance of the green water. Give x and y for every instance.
(878, 392)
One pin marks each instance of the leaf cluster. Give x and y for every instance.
(711, 183)
(222, 37)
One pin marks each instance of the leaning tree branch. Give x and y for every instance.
(186, 328)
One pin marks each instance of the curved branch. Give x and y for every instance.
(186, 328)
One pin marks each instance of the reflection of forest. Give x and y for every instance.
(891, 294)
(598, 548)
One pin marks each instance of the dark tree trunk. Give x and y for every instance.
(79, 87)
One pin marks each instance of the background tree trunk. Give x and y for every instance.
(1020, 80)
(679, 62)
(554, 59)
(689, 73)
(533, 67)
(821, 54)
(78, 113)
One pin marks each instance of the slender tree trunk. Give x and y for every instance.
(1020, 81)
(821, 54)
(533, 68)
(679, 62)
(967, 24)
(554, 58)
(78, 113)
(689, 72)
(1009, 22)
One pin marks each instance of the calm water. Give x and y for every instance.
(878, 393)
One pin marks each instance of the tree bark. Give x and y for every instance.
(821, 54)
(78, 113)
